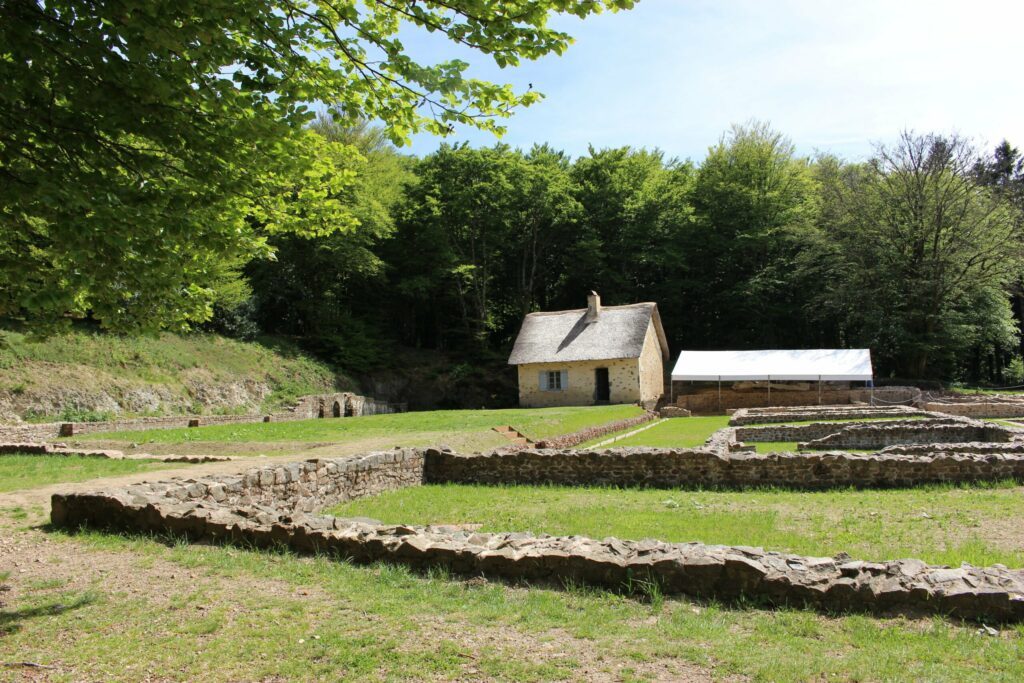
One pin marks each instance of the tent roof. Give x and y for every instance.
(780, 364)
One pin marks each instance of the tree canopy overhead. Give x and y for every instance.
(143, 143)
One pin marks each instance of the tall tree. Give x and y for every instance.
(920, 254)
(315, 286)
(628, 246)
(143, 142)
(752, 197)
(482, 236)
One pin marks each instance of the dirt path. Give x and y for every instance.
(40, 497)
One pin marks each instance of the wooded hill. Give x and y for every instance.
(915, 253)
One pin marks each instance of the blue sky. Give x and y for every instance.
(835, 76)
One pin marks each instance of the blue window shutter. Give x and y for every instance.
(565, 380)
(542, 380)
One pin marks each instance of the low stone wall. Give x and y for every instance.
(709, 402)
(787, 432)
(776, 414)
(258, 492)
(267, 507)
(1013, 447)
(979, 408)
(878, 435)
(307, 407)
(590, 433)
(699, 467)
(725, 441)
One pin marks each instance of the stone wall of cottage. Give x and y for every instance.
(623, 378)
(652, 368)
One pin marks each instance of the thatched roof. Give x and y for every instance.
(557, 336)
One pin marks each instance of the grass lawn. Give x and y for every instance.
(29, 471)
(774, 446)
(939, 524)
(687, 432)
(678, 431)
(85, 360)
(133, 608)
(461, 427)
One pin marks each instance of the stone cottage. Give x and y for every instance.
(595, 355)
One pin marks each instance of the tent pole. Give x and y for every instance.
(719, 393)
(819, 390)
(769, 390)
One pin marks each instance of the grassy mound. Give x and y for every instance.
(88, 375)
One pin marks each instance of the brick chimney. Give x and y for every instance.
(593, 307)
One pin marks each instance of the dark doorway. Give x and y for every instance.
(349, 408)
(602, 391)
(337, 409)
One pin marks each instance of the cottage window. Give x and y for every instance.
(554, 380)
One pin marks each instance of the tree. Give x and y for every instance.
(752, 199)
(919, 255)
(483, 232)
(143, 143)
(636, 207)
(312, 287)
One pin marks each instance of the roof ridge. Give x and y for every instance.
(603, 308)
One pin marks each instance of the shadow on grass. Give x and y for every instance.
(11, 620)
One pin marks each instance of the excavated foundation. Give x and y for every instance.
(277, 506)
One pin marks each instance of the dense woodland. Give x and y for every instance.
(164, 169)
(915, 253)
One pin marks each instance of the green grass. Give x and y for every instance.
(118, 364)
(434, 426)
(687, 432)
(839, 419)
(679, 432)
(30, 471)
(939, 524)
(233, 614)
(981, 391)
(774, 446)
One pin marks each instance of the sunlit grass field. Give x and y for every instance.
(536, 423)
(939, 524)
(29, 471)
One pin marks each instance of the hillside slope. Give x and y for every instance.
(84, 375)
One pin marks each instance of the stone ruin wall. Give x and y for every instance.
(702, 467)
(787, 432)
(878, 435)
(590, 433)
(708, 402)
(979, 409)
(270, 507)
(775, 414)
(307, 407)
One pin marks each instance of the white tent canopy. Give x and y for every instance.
(798, 364)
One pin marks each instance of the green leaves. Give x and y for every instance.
(142, 142)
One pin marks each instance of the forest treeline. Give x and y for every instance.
(915, 253)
